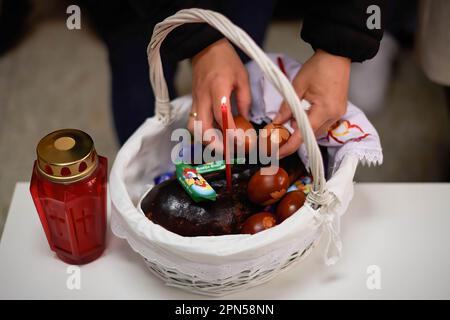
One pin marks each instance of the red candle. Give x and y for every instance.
(223, 107)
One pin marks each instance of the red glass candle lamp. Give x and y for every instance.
(68, 187)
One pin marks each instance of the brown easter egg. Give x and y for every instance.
(290, 203)
(277, 134)
(249, 137)
(265, 189)
(259, 222)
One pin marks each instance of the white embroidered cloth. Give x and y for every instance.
(353, 134)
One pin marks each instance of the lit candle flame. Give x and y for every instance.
(224, 100)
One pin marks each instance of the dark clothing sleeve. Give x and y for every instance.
(336, 26)
(189, 39)
(340, 28)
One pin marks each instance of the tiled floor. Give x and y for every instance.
(58, 78)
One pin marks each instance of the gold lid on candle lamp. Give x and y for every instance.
(66, 155)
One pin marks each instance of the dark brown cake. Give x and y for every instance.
(168, 205)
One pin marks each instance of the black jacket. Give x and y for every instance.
(336, 26)
(340, 27)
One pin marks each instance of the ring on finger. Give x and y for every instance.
(193, 114)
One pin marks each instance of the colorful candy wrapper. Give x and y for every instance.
(192, 181)
(216, 165)
(304, 184)
(194, 184)
(210, 167)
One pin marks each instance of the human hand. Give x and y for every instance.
(322, 81)
(217, 72)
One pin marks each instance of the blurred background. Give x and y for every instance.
(52, 77)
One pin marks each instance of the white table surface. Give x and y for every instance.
(404, 229)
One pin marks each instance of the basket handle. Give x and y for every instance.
(236, 35)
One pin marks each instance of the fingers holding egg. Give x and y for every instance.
(275, 135)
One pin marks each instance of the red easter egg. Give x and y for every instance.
(259, 222)
(266, 189)
(290, 203)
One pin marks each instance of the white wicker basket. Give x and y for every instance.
(223, 264)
